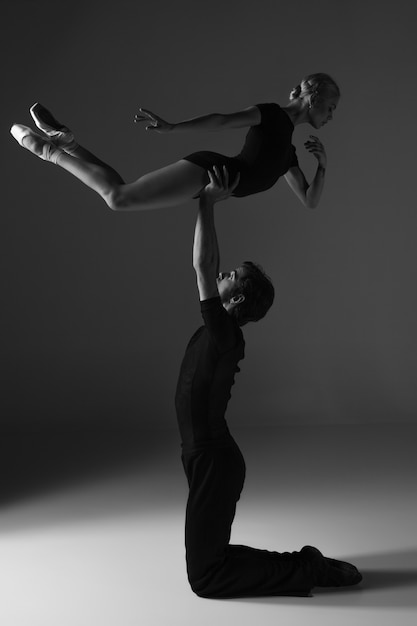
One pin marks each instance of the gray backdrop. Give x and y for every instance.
(98, 306)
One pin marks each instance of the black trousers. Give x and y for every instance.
(216, 569)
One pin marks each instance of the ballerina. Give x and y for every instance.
(267, 154)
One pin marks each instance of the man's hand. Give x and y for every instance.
(219, 187)
(316, 148)
(156, 122)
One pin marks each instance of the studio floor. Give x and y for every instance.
(91, 526)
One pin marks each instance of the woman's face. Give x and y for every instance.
(322, 109)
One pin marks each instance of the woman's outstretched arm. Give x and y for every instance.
(251, 116)
(309, 194)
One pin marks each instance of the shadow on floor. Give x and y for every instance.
(38, 464)
(389, 581)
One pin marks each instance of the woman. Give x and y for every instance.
(266, 155)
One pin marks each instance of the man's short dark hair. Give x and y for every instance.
(259, 294)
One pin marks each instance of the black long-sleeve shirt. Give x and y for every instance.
(206, 376)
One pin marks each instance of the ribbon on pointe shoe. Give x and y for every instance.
(61, 135)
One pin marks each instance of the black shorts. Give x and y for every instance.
(207, 160)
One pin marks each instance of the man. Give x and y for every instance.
(213, 463)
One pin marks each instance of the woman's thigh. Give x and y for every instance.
(169, 186)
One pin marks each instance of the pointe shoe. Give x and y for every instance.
(39, 145)
(60, 134)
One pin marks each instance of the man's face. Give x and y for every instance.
(228, 283)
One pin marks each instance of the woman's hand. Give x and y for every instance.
(156, 122)
(316, 148)
(219, 187)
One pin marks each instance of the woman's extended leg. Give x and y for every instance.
(167, 187)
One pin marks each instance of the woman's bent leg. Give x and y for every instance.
(97, 175)
(169, 186)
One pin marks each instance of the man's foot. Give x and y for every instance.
(39, 145)
(60, 134)
(331, 572)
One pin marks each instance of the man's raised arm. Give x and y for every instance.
(206, 257)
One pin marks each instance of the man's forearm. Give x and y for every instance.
(205, 249)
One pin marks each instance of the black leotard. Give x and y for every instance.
(266, 155)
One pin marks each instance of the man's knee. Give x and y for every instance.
(202, 590)
(204, 586)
